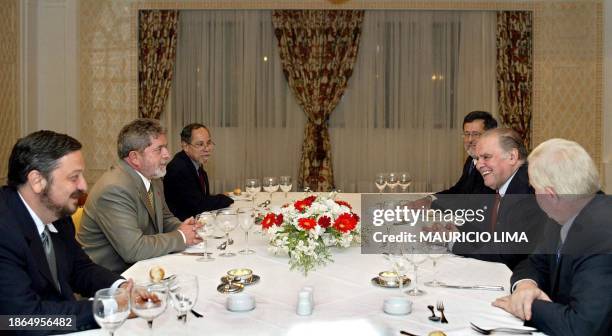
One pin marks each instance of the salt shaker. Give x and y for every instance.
(304, 305)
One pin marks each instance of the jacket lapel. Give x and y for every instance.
(192, 171)
(142, 191)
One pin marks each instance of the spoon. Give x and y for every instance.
(433, 316)
(264, 204)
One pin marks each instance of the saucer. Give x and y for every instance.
(254, 279)
(234, 288)
(376, 281)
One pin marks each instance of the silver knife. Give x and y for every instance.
(201, 254)
(493, 288)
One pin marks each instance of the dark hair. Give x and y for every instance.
(136, 136)
(486, 117)
(187, 130)
(40, 151)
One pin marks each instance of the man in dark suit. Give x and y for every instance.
(186, 184)
(513, 209)
(564, 289)
(475, 124)
(41, 264)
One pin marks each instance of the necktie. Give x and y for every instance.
(150, 198)
(494, 212)
(202, 177)
(50, 254)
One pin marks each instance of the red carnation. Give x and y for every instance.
(301, 205)
(307, 223)
(268, 221)
(345, 223)
(324, 222)
(345, 204)
(279, 219)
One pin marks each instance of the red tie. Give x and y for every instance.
(494, 211)
(201, 178)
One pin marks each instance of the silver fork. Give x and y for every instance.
(440, 307)
(502, 330)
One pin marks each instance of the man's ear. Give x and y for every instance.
(134, 159)
(551, 193)
(36, 181)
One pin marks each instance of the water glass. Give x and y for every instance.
(270, 185)
(227, 221)
(184, 294)
(149, 300)
(111, 307)
(285, 185)
(246, 220)
(381, 182)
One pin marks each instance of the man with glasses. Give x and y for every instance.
(126, 218)
(186, 184)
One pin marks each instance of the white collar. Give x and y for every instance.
(39, 224)
(502, 190)
(145, 180)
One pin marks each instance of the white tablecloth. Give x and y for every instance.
(346, 302)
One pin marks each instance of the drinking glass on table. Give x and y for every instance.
(227, 221)
(270, 185)
(207, 220)
(436, 252)
(392, 181)
(149, 300)
(111, 307)
(399, 263)
(246, 220)
(416, 258)
(381, 182)
(252, 188)
(285, 185)
(184, 294)
(404, 181)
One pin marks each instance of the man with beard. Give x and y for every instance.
(186, 185)
(126, 218)
(41, 264)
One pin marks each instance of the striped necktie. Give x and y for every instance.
(150, 198)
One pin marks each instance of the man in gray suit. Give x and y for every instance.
(126, 218)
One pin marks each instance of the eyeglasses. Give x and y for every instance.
(474, 135)
(203, 144)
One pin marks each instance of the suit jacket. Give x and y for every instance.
(579, 284)
(184, 192)
(26, 284)
(518, 212)
(119, 228)
(470, 182)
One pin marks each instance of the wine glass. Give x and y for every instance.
(184, 294)
(270, 185)
(111, 307)
(285, 185)
(416, 258)
(252, 187)
(207, 220)
(226, 220)
(404, 181)
(245, 221)
(399, 263)
(436, 252)
(392, 181)
(381, 182)
(149, 300)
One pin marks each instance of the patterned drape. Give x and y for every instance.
(515, 71)
(157, 36)
(318, 50)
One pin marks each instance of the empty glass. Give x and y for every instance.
(149, 300)
(207, 220)
(246, 219)
(416, 258)
(285, 185)
(270, 185)
(227, 221)
(381, 182)
(404, 181)
(184, 293)
(392, 181)
(252, 188)
(436, 252)
(111, 307)
(399, 263)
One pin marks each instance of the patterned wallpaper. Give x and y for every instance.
(568, 47)
(9, 81)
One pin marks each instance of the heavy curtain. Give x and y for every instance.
(515, 71)
(157, 30)
(317, 50)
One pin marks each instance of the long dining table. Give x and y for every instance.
(346, 302)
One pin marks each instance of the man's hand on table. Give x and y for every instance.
(519, 303)
(189, 228)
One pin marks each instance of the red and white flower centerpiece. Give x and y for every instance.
(307, 228)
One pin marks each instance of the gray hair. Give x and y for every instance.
(565, 166)
(509, 139)
(137, 135)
